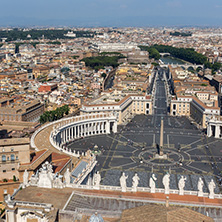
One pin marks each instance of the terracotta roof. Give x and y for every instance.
(14, 141)
(59, 161)
(38, 159)
(56, 197)
(161, 213)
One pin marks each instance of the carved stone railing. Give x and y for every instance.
(140, 189)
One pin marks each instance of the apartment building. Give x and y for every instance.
(16, 109)
(194, 98)
(13, 152)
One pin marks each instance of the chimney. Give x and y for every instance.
(167, 201)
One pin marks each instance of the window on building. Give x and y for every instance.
(3, 158)
(5, 191)
(4, 171)
(13, 169)
(174, 106)
(12, 157)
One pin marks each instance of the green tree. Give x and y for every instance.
(103, 75)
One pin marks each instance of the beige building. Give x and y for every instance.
(191, 106)
(194, 97)
(13, 152)
(123, 106)
(12, 109)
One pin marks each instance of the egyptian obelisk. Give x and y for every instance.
(161, 138)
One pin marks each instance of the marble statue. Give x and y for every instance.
(152, 183)
(25, 178)
(8, 198)
(123, 182)
(97, 179)
(211, 187)
(166, 183)
(200, 187)
(57, 183)
(67, 175)
(45, 176)
(135, 182)
(33, 180)
(181, 185)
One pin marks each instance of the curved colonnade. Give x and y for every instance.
(72, 128)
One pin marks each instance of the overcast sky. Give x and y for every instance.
(111, 12)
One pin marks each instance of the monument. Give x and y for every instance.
(135, 182)
(166, 183)
(25, 178)
(211, 187)
(200, 187)
(152, 183)
(123, 182)
(181, 185)
(45, 176)
(67, 176)
(160, 154)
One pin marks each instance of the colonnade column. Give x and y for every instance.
(209, 130)
(115, 127)
(72, 132)
(92, 128)
(82, 130)
(78, 130)
(107, 127)
(217, 131)
(75, 132)
(63, 136)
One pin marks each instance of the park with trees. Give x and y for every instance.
(99, 62)
(50, 116)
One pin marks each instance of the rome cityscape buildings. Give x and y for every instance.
(105, 123)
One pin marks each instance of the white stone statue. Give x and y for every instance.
(67, 175)
(152, 183)
(123, 182)
(166, 183)
(8, 198)
(97, 179)
(211, 187)
(57, 183)
(181, 185)
(200, 187)
(45, 176)
(135, 182)
(33, 180)
(25, 178)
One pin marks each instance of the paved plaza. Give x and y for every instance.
(133, 149)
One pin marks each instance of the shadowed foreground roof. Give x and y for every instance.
(160, 213)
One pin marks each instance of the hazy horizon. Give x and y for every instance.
(120, 13)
